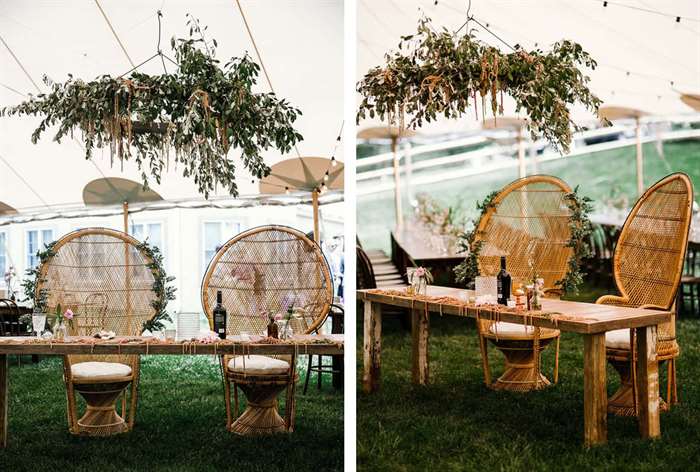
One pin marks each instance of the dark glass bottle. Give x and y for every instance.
(272, 330)
(504, 283)
(219, 317)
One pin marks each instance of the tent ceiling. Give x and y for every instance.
(654, 49)
(300, 42)
(6, 209)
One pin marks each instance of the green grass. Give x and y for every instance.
(180, 425)
(456, 423)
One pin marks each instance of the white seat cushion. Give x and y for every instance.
(511, 329)
(618, 339)
(99, 370)
(258, 365)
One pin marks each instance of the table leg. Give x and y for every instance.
(372, 346)
(595, 395)
(420, 331)
(648, 383)
(4, 400)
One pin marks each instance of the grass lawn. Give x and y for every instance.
(180, 425)
(456, 423)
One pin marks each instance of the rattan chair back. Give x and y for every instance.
(269, 269)
(650, 252)
(529, 224)
(104, 278)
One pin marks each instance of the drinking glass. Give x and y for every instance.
(38, 323)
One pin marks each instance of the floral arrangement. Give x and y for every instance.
(63, 317)
(419, 280)
(440, 72)
(202, 111)
(447, 221)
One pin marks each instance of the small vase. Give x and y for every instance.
(60, 331)
(420, 286)
(285, 329)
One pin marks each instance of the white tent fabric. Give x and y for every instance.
(300, 42)
(655, 49)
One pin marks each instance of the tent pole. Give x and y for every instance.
(397, 184)
(640, 160)
(314, 201)
(521, 154)
(125, 207)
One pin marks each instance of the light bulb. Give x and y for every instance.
(333, 161)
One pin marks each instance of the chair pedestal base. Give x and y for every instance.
(260, 416)
(621, 403)
(101, 417)
(521, 374)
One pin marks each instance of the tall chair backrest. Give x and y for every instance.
(365, 272)
(528, 222)
(269, 269)
(104, 277)
(650, 251)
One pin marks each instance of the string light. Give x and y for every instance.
(333, 161)
(325, 178)
(286, 190)
(647, 10)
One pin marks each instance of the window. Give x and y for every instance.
(153, 232)
(36, 241)
(217, 233)
(3, 254)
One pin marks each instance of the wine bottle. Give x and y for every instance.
(503, 280)
(219, 317)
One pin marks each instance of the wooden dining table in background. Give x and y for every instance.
(590, 320)
(409, 249)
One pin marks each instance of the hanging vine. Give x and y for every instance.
(33, 278)
(468, 269)
(161, 287)
(202, 111)
(443, 73)
(580, 228)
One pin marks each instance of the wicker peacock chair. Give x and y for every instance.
(528, 223)
(267, 268)
(102, 276)
(647, 266)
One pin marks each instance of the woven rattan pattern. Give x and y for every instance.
(529, 224)
(269, 268)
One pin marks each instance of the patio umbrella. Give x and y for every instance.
(692, 100)
(514, 123)
(305, 174)
(6, 209)
(116, 190)
(394, 134)
(621, 113)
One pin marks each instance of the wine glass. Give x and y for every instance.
(38, 323)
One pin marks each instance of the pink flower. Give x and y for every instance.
(420, 272)
(278, 316)
(68, 314)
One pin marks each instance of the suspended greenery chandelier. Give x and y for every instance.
(203, 112)
(440, 72)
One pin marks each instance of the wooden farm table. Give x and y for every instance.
(588, 319)
(327, 345)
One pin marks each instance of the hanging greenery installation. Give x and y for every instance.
(440, 72)
(203, 111)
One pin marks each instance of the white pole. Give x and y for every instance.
(397, 183)
(408, 163)
(640, 160)
(314, 202)
(521, 154)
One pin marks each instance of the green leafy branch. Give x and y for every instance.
(161, 287)
(468, 269)
(438, 72)
(33, 278)
(580, 228)
(202, 111)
